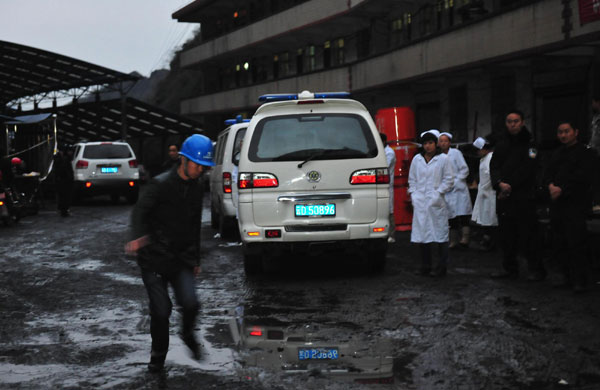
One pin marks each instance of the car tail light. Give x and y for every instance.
(257, 180)
(256, 331)
(131, 184)
(88, 184)
(133, 163)
(370, 176)
(1, 203)
(273, 233)
(227, 182)
(253, 234)
(378, 229)
(81, 164)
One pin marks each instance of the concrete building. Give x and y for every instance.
(460, 64)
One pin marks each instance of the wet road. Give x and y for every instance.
(74, 315)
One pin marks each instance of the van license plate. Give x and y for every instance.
(315, 210)
(109, 169)
(317, 353)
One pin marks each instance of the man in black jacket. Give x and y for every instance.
(568, 179)
(166, 230)
(513, 170)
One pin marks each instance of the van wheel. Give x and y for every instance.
(252, 264)
(226, 227)
(132, 197)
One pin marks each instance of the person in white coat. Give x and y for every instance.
(390, 155)
(458, 199)
(484, 211)
(430, 177)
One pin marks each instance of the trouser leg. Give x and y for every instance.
(576, 237)
(425, 256)
(185, 294)
(160, 311)
(443, 256)
(508, 231)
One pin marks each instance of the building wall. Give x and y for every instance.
(291, 19)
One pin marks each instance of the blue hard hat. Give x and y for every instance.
(199, 149)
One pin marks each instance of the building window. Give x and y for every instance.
(340, 51)
(312, 62)
(284, 63)
(327, 54)
(275, 66)
(458, 110)
(299, 61)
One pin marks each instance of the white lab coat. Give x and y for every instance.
(427, 184)
(458, 199)
(390, 155)
(484, 211)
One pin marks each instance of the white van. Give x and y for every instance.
(223, 191)
(313, 177)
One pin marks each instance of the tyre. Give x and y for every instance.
(252, 264)
(227, 227)
(132, 197)
(214, 218)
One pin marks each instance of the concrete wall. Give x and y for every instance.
(281, 23)
(523, 29)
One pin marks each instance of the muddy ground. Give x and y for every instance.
(74, 315)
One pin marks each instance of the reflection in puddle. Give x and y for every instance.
(293, 348)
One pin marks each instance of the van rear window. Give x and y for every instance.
(106, 151)
(314, 136)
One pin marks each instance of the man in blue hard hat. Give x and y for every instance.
(166, 239)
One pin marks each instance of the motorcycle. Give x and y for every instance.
(9, 211)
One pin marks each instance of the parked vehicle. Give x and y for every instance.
(313, 178)
(223, 176)
(106, 168)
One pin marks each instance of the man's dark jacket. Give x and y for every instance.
(571, 168)
(515, 162)
(169, 211)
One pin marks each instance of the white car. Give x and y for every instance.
(313, 177)
(106, 168)
(223, 191)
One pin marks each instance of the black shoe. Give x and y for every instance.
(438, 273)
(504, 275)
(423, 272)
(190, 341)
(157, 364)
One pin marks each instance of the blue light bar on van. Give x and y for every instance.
(278, 97)
(238, 119)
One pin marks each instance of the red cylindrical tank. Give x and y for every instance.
(398, 124)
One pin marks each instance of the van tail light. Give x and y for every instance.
(227, 182)
(257, 180)
(88, 184)
(81, 164)
(133, 163)
(370, 176)
(256, 331)
(1, 203)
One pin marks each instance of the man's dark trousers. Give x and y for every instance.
(518, 228)
(182, 281)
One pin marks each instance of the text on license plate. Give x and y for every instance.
(314, 210)
(317, 354)
(109, 169)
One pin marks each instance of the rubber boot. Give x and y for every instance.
(466, 232)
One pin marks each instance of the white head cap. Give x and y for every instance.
(435, 132)
(446, 134)
(479, 143)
